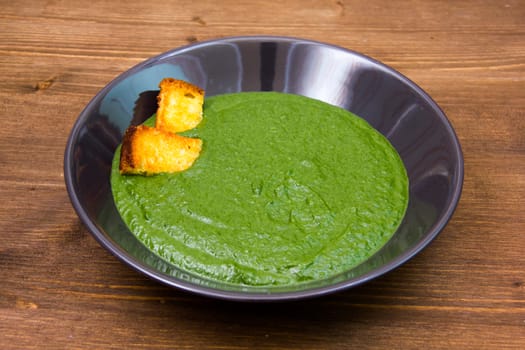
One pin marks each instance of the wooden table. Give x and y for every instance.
(60, 289)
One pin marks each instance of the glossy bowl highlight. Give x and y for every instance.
(390, 102)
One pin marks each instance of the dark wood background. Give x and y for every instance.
(60, 289)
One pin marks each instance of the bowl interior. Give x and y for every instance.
(390, 102)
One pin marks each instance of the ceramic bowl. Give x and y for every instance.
(389, 101)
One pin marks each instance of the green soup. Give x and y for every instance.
(287, 189)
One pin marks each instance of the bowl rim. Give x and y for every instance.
(105, 241)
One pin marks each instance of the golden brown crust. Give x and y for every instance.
(147, 151)
(126, 155)
(179, 105)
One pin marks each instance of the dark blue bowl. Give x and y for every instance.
(390, 102)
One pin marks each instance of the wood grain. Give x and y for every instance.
(60, 289)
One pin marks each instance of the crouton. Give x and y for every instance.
(179, 105)
(148, 151)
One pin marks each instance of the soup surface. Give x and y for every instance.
(287, 189)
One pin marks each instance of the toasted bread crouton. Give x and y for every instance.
(148, 151)
(180, 105)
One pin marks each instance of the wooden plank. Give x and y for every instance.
(60, 289)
